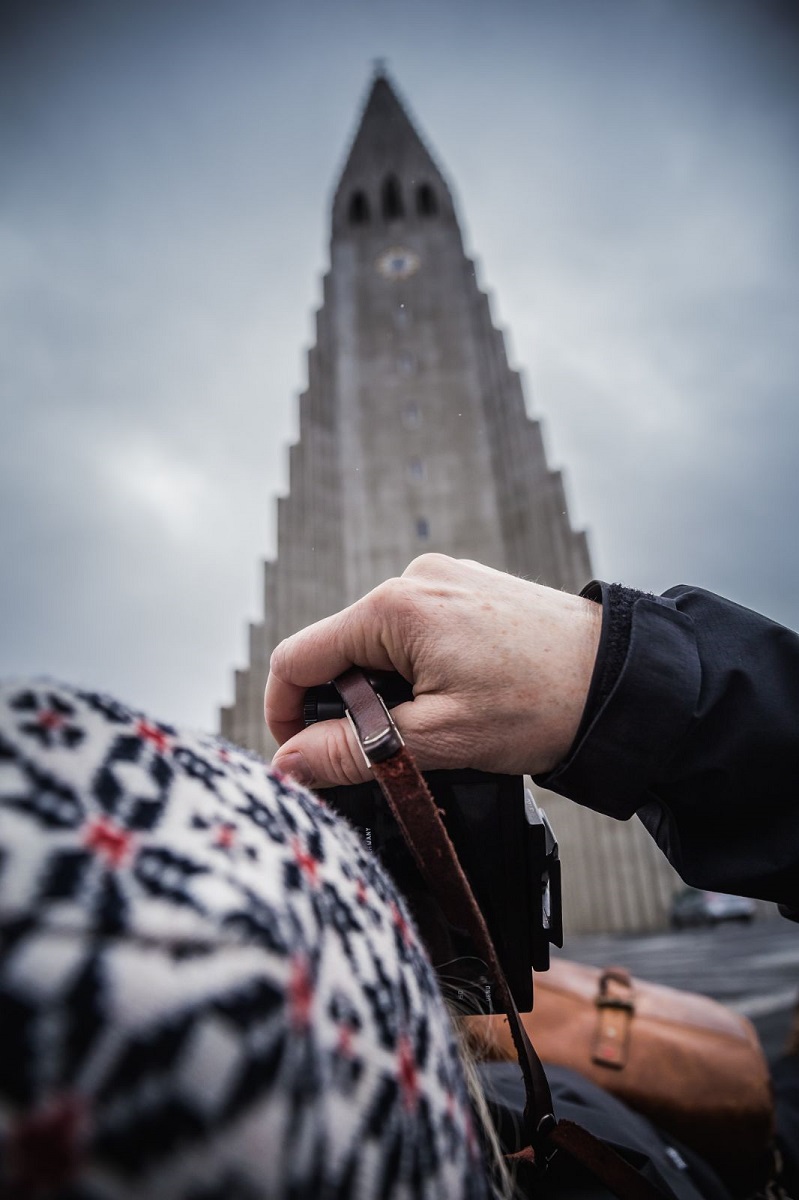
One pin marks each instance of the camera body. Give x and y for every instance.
(506, 848)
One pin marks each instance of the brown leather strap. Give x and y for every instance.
(602, 1161)
(622, 1179)
(420, 823)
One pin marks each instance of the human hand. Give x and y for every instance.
(500, 669)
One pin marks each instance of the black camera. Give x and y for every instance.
(505, 845)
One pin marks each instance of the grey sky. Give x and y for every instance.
(627, 175)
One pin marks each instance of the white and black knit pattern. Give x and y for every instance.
(208, 987)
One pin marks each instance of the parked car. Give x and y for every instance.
(696, 907)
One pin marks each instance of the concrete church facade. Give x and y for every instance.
(414, 436)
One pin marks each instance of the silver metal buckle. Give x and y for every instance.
(381, 745)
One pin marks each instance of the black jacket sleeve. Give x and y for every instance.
(692, 722)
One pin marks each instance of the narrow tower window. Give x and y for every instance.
(359, 209)
(422, 528)
(392, 199)
(426, 204)
(416, 469)
(411, 417)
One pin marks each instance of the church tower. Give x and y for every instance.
(413, 429)
(414, 436)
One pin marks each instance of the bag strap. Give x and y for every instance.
(420, 823)
(615, 1006)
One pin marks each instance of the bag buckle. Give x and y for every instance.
(545, 1150)
(622, 997)
(615, 1010)
(614, 1002)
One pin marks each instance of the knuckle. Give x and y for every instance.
(344, 759)
(275, 659)
(428, 564)
(390, 597)
(278, 660)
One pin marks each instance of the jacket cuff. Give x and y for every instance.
(628, 737)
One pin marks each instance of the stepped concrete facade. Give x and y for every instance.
(414, 434)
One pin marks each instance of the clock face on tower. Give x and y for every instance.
(398, 263)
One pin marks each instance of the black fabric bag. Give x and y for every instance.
(673, 1168)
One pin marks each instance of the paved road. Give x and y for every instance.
(753, 968)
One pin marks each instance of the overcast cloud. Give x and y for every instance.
(627, 177)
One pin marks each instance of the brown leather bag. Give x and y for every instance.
(691, 1065)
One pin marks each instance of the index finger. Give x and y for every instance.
(315, 655)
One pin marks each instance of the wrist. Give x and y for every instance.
(576, 669)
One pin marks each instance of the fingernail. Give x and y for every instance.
(294, 764)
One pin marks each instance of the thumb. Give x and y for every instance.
(326, 754)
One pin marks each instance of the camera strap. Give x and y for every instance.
(419, 820)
